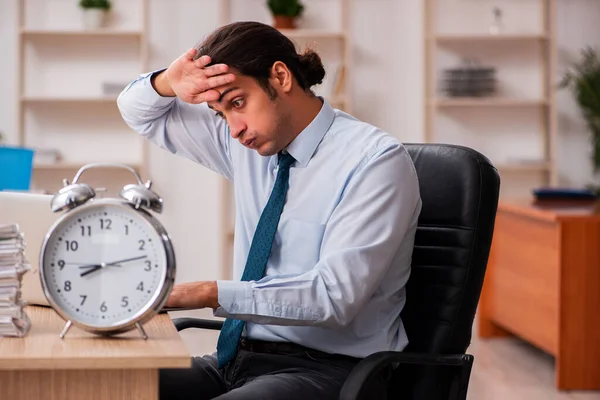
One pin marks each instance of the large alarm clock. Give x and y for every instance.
(107, 265)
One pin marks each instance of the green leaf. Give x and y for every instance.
(583, 80)
(102, 4)
(289, 8)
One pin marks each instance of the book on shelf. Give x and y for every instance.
(14, 321)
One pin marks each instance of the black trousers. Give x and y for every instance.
(263, 371)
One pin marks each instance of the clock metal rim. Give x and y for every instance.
(152, 308)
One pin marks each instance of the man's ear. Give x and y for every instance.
(281, 77)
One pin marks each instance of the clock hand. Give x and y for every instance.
(126, 260)
(93, 268)
(114, 263)
(90, 266)
(99, 265)
(96, 267)
(77, 263)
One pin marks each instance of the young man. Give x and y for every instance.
(320, 280)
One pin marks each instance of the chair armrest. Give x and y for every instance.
(356, 384)
(184, 323)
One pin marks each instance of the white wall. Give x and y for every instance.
(577, 25)
(387, 90)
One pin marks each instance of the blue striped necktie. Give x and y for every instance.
(258, 256)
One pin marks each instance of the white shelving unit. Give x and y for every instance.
(61, 103)
(523, 114)
(336, 41)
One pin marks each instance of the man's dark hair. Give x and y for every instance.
(252, 48)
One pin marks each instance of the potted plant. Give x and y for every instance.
(285, 12)
(94, 12)
(583, 79)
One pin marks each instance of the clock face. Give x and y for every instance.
(104, 264)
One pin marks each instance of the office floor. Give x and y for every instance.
(506, 368)
(510, 368)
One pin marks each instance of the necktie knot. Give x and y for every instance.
(285, 160)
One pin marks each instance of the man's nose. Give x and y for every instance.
(237, 128)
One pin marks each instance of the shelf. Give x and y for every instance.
(60, 99)
(62, 166)
(452, 38)
(486, 102)
(524, 167)
(71, 32)
(312, 33)
(57, 166)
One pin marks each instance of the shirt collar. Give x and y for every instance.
(304, 145)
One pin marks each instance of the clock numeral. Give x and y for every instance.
(105, 223)
(103, 307)
(61, 264)
(127, 229)
(72, 245)
(83, 297)
(83, 230)
(67, 286)
(124, 301)
(140, 287)
(148, 265)
(142, 244)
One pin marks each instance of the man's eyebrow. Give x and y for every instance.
(228, 90)
(231, 89)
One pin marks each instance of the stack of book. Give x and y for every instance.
(14, 321)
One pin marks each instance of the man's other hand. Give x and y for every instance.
(194, 295)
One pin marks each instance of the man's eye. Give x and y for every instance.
(237, 103)
(219, 114)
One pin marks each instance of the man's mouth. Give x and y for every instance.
(248, 143)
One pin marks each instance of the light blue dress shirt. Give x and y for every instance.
(341, 257)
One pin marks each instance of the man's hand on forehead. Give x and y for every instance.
(194, 80)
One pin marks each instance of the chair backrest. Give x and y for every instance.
(460, 190)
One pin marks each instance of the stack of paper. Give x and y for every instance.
(13, 265)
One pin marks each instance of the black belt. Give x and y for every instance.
(259, 346)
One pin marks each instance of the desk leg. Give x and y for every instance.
(76, 384)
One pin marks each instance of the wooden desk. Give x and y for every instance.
(86, 366)
(543, 284)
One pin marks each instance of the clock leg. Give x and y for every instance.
(141, 330)
(66, 329)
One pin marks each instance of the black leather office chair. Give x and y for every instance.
(459, 189)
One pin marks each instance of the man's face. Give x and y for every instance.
(257, 120)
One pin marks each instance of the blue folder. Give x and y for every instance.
(564, 194)
(16, 165)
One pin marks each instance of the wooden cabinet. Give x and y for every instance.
(543, 285)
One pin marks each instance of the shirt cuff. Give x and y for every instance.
(234, 297)
(145, 81)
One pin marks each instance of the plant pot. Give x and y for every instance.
(94, 18)
(284, 22)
